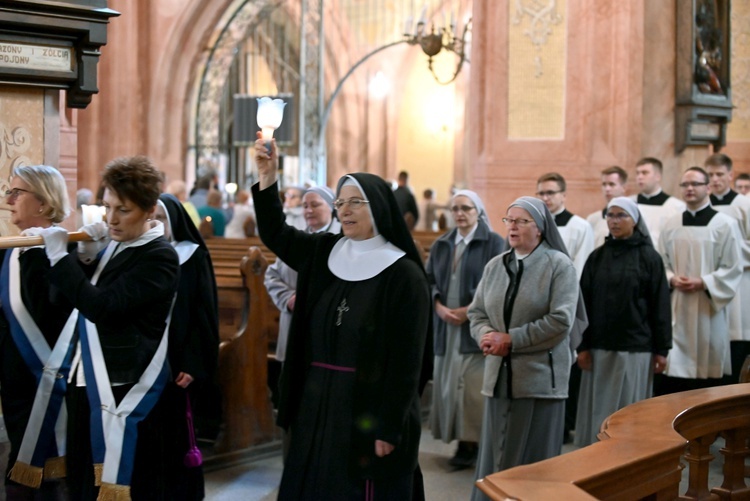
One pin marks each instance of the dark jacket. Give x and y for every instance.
(389, 364)
(129, 304)
(626, 293)
(483, 246)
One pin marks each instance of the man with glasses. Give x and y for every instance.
(655, 206)
(578, 237)
(576, 233)
(701, 253)
(613, 185)
(731, 203)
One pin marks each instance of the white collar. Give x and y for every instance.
(652, 195)
(184, 249)
(562, 209)
(357, 260)
(155, 231)
(721, 197)
(694, 212)
(468, 238)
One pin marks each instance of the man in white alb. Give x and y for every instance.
(742, 183)
(613, 185)
(578, 237)
(731, 203)
(655, 206)
(701, 255)
(576, 233)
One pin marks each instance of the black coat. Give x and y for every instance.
(626, 293)
(483, 246)
(129, 304)
(389, 366)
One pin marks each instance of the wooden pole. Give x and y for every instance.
(22, 241)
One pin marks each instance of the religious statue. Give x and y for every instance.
(708, 43)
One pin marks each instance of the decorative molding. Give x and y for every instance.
(542, 16)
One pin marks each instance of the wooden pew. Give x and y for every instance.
(640, 452)
(246, 324)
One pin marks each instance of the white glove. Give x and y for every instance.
(31, 232)
(55, 243)
(99, 231)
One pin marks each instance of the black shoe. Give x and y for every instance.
(465, 456)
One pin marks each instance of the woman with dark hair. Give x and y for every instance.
(526, 316)
(124, 295)
(356, 357)
(35, 340)
(626, 293)
(454, 269)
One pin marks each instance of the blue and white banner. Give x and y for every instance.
(114, 427)
(44, 437)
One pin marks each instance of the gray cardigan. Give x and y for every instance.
(542, 317)
(483, 246)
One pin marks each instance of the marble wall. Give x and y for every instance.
(21, 138)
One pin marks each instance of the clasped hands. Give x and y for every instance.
(453, 316)
(687, 284)
(495, 343)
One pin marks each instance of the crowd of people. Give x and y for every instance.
(528, 339)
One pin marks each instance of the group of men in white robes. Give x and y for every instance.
(704, 239)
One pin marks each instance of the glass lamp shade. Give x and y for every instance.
(270, 114)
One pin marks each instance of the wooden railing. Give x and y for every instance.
(640, 452)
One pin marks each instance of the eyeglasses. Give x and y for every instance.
(15, 192)
(518, 222)
(354, 203)
(547, 193)
(617, 217)
(462, 208)
(692, 184)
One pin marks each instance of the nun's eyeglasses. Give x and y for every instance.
(354, 203)
(518, 222)
(617, 217)
(462, 208)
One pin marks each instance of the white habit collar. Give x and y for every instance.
(357, 260)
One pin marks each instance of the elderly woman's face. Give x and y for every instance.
(316, 211)
(161, 215)
(126, 220)
(26, 210)
(464, 213)
(355, 223)
(619, 222)
(523, 233)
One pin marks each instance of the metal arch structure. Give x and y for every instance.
(312, 52)
(244, 16)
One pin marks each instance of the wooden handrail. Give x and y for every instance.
(639, 455)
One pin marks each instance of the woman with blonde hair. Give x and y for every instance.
(35, 335)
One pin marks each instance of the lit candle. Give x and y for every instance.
(407, 25)
(423, 15)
